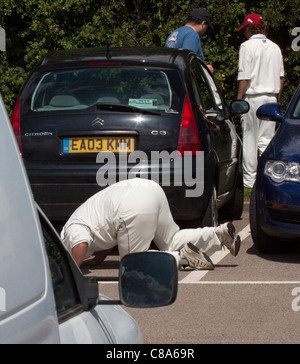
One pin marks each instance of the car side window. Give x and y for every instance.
(205, 90)
(213, 87)
(296, 111)
(65, 291)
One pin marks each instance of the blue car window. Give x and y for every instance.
(296, 110)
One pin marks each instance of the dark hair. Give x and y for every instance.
(256, 28)
(193, 20)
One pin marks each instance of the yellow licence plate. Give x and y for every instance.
(98, 144)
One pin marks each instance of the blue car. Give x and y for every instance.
(275, 199)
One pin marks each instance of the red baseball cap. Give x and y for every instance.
(251, 19)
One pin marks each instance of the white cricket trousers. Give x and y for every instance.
(256, 136)
(144, 216)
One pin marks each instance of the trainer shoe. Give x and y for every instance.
(192, 258)
(228, 238)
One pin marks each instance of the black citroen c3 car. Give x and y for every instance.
(87, 118)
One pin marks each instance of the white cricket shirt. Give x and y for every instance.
(97, 220)
(261, 62)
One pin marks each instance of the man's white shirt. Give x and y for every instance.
(261, 62)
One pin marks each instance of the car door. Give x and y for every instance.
(212, 109)
(75, 324)
(99, 324)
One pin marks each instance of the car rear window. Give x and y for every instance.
(143, 88)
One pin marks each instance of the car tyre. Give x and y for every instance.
(233, 209)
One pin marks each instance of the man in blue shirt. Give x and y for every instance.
(188, 36)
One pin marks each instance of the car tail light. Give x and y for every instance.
(16, 125)
(188, 140)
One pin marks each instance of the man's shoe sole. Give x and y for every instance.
(206, 263)
(236, 244)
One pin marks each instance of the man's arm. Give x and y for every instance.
(79, 252)
(281, 88)
(243, 86)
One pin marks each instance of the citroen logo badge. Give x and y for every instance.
(98, 121)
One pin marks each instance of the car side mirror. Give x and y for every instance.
(271, 112)
(148, 279)
(238, 107)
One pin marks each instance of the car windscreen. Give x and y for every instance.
(143, 88)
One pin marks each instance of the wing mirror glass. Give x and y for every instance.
(238, 107)
(148, 279)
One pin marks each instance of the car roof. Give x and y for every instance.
(158, 56)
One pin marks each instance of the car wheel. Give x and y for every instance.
(211, 214)
(263, 243)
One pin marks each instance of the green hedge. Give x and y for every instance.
(35, 28)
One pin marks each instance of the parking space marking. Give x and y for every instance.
(197, 275)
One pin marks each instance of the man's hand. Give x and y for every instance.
(99, 257)
(211, 68)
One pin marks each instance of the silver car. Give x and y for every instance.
(44, 298)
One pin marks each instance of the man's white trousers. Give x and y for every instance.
(256, 136)
(144, 216)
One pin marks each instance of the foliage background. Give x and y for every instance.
(37, 27)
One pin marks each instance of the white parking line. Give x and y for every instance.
(196, 276)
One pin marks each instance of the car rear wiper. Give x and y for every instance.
(124, 108)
